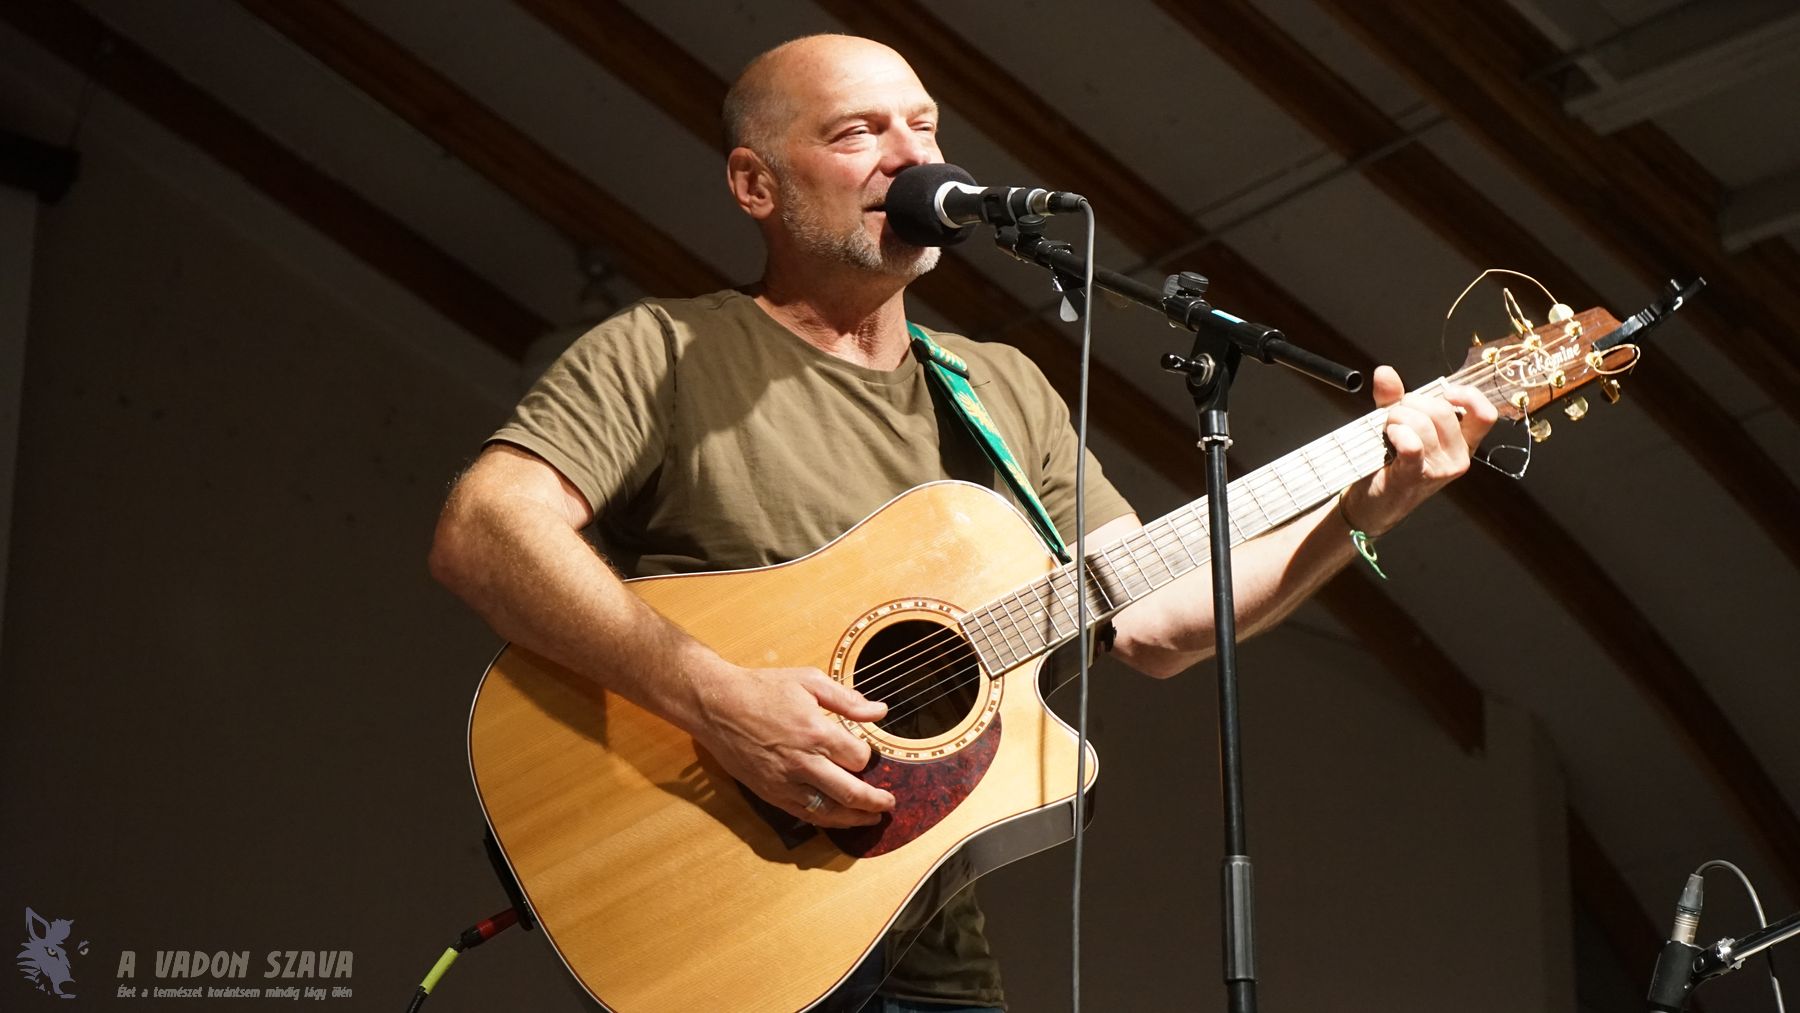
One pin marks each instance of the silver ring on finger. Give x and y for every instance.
(815, 803)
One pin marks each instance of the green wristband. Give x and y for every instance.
(1362, 540)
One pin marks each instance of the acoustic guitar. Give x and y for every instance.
(666, 888)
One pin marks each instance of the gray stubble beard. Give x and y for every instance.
(887, 256)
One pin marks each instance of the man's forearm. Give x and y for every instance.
(1271, 575)
(509, 544)
(540, 584)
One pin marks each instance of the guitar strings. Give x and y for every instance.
(888, 669)
(901, 707)
(969, 675)
(1152, 536)
(924, 661)
(948, 649)
(893, 667)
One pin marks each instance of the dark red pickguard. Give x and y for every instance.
(925, 791)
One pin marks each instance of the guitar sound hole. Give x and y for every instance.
(927, 674)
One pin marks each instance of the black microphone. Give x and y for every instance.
(936, 204)
(1673, 979)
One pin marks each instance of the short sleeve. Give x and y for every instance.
(600, 414)
(1051, 435)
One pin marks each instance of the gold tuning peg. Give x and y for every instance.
(1610, 387)
(1475, 339)
(1539, 429)
(1576, 410)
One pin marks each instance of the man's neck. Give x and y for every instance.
(847, 314)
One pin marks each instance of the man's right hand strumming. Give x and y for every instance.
(770, 728)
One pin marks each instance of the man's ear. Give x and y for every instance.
(752, 183)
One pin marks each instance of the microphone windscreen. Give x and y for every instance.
(911, 206)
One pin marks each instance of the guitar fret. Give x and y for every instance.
(1196, 516)
(1138, 563)
(1184, 548)
(1157, 533)
(1125, 577)
(1320, 479)
(1350, 455)
(1128, 546)
(1040, 613)
(1075, 600)
(1012, 627)
(1318, 476)
(979, 626)
(1045, 599)
(1048, 612)
(1015, 604)
(1150, 537)
(984, 624)
(1289, 493)
(1037, 615)
(1061, 583)
(1004, 624)
(1097, 586)
(1268, 520)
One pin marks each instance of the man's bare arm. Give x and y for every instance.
(509, 544)
(1431, 439)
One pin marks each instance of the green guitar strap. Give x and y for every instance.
(952, 376)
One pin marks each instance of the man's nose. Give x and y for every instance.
(909, 147)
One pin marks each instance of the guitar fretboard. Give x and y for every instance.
(1044, 614)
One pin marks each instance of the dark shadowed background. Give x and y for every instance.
(313, 251)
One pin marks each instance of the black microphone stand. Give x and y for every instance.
(1671, 987)
(1220, 342)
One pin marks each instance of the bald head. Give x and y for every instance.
(774, 88)
(817, 128)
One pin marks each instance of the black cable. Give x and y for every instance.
(1761, 919)
(468, 939)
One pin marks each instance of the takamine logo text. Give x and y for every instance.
(44, 957)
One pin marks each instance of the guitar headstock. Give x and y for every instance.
(1525, 373)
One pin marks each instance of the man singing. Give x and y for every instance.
(746, 428)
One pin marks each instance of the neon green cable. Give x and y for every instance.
(437, 971)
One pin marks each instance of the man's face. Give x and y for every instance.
(861, 116)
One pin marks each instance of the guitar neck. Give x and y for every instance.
(1043, 615)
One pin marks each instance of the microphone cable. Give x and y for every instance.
(1084, 641)
(1762, 920)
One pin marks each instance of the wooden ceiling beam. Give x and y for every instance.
(1465, 218)
(1419, 181)
(690, 93)
(487, 143)
(970, 82)
(988, 96)
(364, 230)
(1642, 197)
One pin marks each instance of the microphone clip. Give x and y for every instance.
(1024, 240)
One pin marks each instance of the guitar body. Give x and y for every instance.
(662, 885)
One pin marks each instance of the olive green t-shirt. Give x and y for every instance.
(707, 436)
